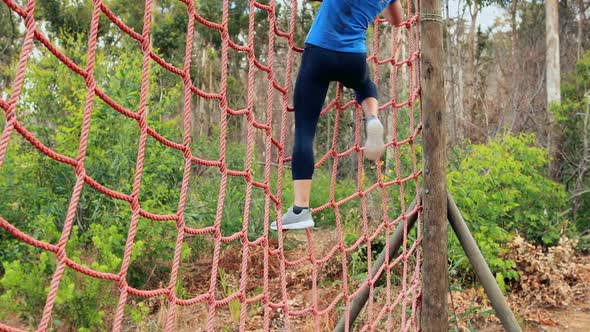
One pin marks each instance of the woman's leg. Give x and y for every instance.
(357, 78)
(311, 88)
(370, 107)
(302, 192)
(310, 93)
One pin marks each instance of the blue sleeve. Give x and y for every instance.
(392, 1)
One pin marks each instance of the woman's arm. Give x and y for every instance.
(393, 14)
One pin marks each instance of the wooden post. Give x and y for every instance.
(434, 266)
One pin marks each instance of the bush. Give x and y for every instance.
(571, 116)
(38, 189)
(501, 189)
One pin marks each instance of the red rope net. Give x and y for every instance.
(395, 307)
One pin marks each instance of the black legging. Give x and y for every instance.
(319, 67)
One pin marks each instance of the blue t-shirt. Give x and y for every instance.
(341, 25)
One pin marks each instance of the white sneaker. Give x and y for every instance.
(374, 145)
(290, 220)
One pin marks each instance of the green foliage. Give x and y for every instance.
(38, 189)
(139, 313)
(15, 286)
(357, 262)
(81, 301)
(584, 244)
(572, 116)
(500, 188)
(71, 17)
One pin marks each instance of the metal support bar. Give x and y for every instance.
(395, 242)
(481, 268)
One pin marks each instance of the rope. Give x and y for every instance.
(275, 299)
(427, 17)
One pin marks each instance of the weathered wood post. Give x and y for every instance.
(434, 266)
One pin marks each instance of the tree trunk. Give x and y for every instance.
(513, 60)
(451, 87)
(474, 13)
(512, 91)
(581, 20)
(460, 73)
(513, 10)
(553, 79)
(552, 40)
(212, 107)
(202, 125)
(471, 75)
(583, 166)
(244, 119)
(472, 30)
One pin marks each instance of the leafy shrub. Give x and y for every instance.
(501, 189)
(572, 116)
(38, 189)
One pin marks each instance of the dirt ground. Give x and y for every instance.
(576, 318)
(196, 280)
(573, 317)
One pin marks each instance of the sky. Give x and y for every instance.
(486, 17)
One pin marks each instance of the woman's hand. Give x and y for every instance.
(394, 14)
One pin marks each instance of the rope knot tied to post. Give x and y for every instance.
(428, 17)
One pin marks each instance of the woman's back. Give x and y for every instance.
(341, 25)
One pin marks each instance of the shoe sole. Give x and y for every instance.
(297, 225)
(374, 146)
